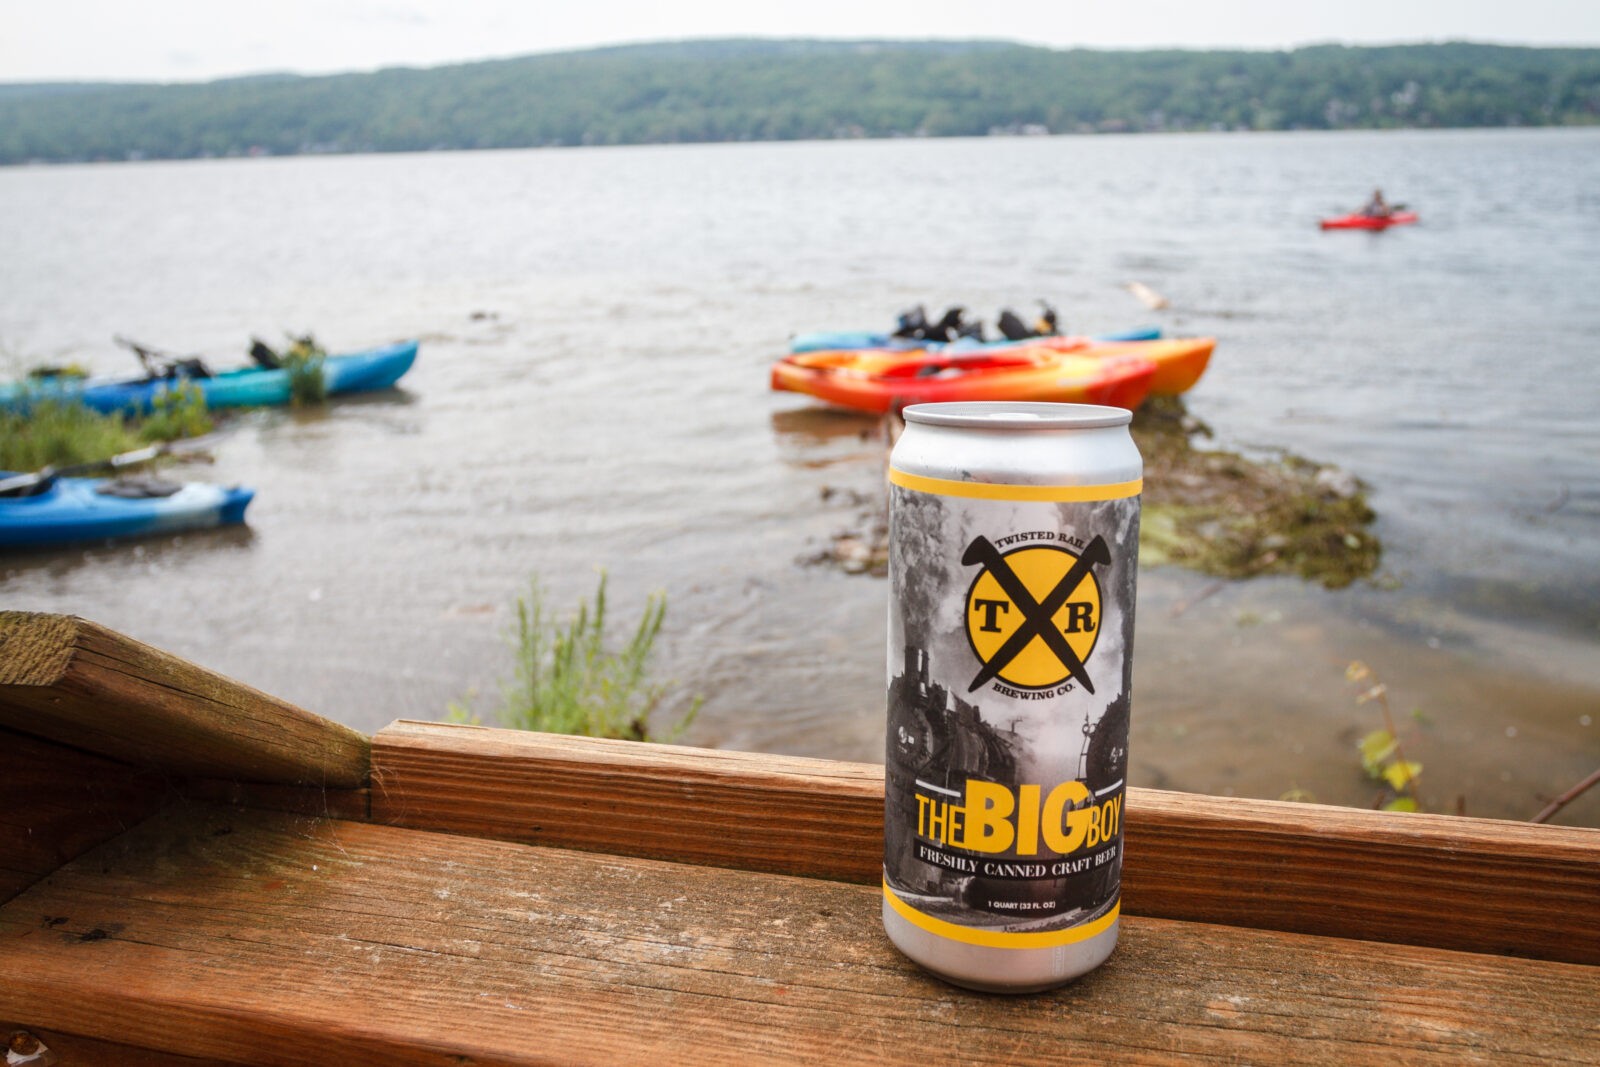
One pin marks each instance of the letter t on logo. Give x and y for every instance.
(990, 607)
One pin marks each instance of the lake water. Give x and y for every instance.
(591, 392)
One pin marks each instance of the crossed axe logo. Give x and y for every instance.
(1037, 615)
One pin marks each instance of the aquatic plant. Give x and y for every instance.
(303, 360)
(176, 413)
(568, 681)
(1223, 514)
(1382, 756)
(1209, 510)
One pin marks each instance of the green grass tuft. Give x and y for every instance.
(568, 681)
(53, 433)
(58, 433)
(177, 413)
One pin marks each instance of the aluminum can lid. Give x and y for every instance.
(1008, 415)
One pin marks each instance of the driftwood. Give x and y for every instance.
(1548, 811)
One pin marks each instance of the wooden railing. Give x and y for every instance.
(190, 869)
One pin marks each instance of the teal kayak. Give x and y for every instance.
(351, 372)
(64, 511)
(851, 340)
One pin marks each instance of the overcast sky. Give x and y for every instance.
(196, 40)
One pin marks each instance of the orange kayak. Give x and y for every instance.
(1180, 361)
(880, 381)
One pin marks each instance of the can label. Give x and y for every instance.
(1010, 640)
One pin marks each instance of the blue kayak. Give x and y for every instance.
(351, 372)
(74, 510)
(851, 340)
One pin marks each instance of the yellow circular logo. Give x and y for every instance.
(1033, 615)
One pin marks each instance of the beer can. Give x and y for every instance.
(1014, 539)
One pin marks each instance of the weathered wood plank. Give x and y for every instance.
(1479, 885)
(73, 681)
(72, 1050)
(1440, 881)
(273, 939)
(295, 799)
(759, 812)
(57, 802)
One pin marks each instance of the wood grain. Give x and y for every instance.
(265, 938)
(1440, 881)
(72, 681)
(1479, 885)
(733, 809)
(57, 802)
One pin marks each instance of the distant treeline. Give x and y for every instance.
(793, 90)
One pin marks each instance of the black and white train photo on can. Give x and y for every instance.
(1014, 537)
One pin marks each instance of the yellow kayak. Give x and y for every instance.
(1180, 361)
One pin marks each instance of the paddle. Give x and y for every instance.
(117, 462)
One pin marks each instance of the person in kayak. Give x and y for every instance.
(1377, 207)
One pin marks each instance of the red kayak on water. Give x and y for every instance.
(1370, 222)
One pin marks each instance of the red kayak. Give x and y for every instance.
(1370, 222)
(881, 381)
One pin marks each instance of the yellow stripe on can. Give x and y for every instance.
(1001, 491)
(971, 935)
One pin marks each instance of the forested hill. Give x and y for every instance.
(789, 90)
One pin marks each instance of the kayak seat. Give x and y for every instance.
(913, 323)
(961, 364)
(192, 367)
(264, 356)
(138, 487)
(1012, 326)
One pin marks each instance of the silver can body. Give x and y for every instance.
(1014, 534)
